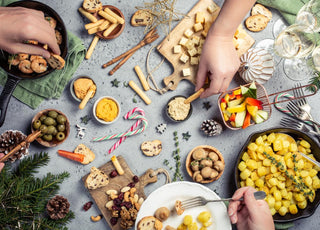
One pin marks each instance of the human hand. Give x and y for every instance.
(19, 25)
(1, 164)
(219, 61)
(250, 214)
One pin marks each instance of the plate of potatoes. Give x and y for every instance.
(271, 161)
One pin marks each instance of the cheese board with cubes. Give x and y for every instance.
(183, 46)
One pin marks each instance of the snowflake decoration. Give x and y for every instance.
(186, 136)
(161, 128)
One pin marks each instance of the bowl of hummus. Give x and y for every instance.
(177, 110)
(80, 86)
(106, 110)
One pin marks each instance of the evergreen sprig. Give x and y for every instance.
(316, 81)
(23, 197)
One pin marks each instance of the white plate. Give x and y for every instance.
(167, 195)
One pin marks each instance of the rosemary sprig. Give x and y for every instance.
(315, 81)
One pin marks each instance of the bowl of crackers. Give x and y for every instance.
(205, 164)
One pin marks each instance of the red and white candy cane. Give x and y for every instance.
(131, 115)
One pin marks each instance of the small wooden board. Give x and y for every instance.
(166, 46)
(99, 195)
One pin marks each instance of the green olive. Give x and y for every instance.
(61, 119)
(53, 114)
(54, 122)
(47, 137)
(60, 136)
(42, 118)
(55, 132)
(44, 129)
(49, 121)
(36, 124)
(61, 127)
(51, 129)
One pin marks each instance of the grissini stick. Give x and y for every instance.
(136, 88)
(29, 139)
(86, 98)
(194, 96)
(142, 78)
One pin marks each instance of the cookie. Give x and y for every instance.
(256, 23)
(96, 179)
(141, 18)
(151, 148)
(92, 6)
(260, 9)
(55, 61)
(88, 154)
(149, 223)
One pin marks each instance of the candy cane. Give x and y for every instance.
(132, 131)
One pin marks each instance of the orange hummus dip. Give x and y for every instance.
(107, 110)
(81, 87)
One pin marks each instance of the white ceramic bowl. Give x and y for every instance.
(95, 106)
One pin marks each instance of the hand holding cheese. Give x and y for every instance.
(219, 59)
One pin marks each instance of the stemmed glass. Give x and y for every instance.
(309, 16)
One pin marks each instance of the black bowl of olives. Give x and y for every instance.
(54, 127)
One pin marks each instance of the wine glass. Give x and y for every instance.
(316, 58)
(295, 43)
(309, 16)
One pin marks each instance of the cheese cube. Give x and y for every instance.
(197, 27)
(189, 45)
(194, 60)
(212, 8)
(200, 50)
(195, 39)
(183, 41)
(184, 58)
(204, 33)
(188, 33)
(193, 52)
(201, 42)
(199, 17)
(177, 49)
(186, 72)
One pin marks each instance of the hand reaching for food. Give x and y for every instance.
(251, 214)
(26, 24)
(1, 164)
(219, 62)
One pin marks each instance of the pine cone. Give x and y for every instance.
(58, 207)
(211, 127)
(9, 140)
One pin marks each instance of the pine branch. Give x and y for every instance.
(28, 166)
(316, 81)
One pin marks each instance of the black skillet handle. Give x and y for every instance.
(5, 96)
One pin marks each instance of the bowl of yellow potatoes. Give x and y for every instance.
(272, 161)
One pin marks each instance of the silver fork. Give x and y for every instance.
(300, 114)
(200, 201)
(294, 123)
(302, 102)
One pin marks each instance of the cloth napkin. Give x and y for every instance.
(33, 92)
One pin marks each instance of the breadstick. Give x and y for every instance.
(93, 24)
(92, 46)
(117, 165)
(194, 96)
(89, 94)
(112, 14)
(93, 30)
(107, 16)
(136, 88)
(104, 25)
(142, 78)
(110, 29)
(87, 15)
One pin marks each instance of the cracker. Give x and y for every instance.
(151, 148)
(141, 18)
(260, 9)
(256, 23)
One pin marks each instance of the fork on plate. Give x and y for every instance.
(200, 201)
(294, 123)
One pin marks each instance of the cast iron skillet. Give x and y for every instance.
(14, 74)
(311, 207)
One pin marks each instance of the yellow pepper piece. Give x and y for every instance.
(237, 108)
(227, 97)
(237, 92)
(223, 106)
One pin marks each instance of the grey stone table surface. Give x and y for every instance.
(229, 142)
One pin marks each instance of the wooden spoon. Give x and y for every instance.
(29, 139)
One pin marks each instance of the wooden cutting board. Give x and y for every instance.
(99, 195)
(166, 46)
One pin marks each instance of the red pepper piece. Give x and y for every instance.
(247, 119)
